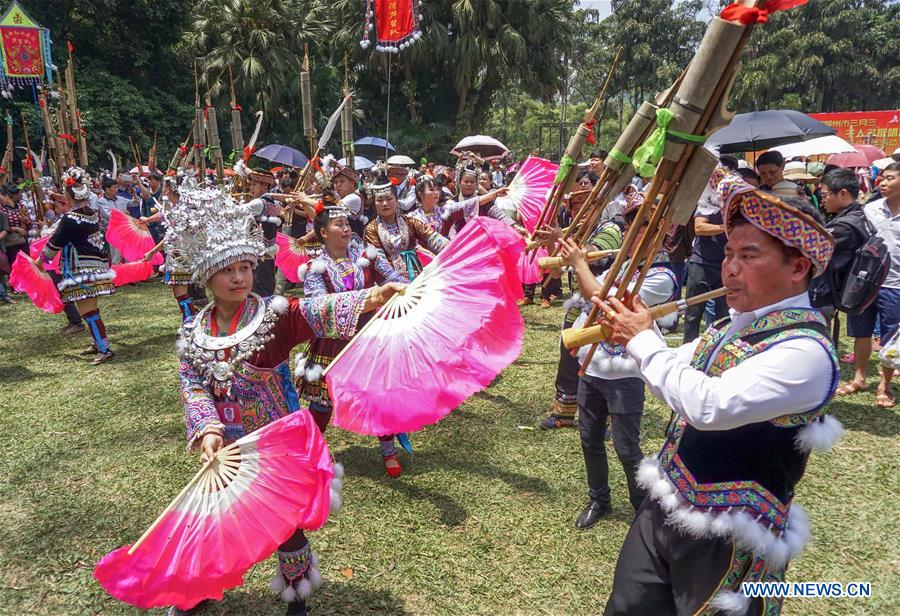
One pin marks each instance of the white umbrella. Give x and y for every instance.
(830, 144)
(360, 163)
(400, 159)
(144, 170)
(486, 147)
(881, 163)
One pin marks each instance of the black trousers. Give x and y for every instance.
(72, 313)
(623, 399)
(661, 571)
(567, 371)
(549, 286)
(700, 279)
(264, 278)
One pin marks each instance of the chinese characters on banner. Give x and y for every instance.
(396, 24)
(878, 128)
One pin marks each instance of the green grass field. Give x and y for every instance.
(480, 523)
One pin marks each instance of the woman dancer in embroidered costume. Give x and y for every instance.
(234, 353)
(342, 266)
(469, 203)
(429, 211)
(395, 236)
(176, 273)
(747, 400)
(85, 262)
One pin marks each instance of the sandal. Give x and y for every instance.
(850, 388)
(884, 400)
(849, 358)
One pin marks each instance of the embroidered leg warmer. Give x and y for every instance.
(297, 574)
(97, 329)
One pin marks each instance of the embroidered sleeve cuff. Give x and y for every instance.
(199, 430)
(645, 344)
(334, 315)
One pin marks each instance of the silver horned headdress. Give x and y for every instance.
(210, 230)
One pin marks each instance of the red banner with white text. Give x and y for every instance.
(878, 128)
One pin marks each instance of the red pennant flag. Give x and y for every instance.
(71, 46)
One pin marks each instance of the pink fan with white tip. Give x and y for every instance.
(528, 192)
(234, 513)
(291, 255)
(130, 273)
(37, 247)
(127, 236)
(451, 332)
(26, 277)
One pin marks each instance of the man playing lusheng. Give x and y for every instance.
(747, 400)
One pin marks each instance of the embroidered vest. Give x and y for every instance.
(264, 395)
(754, 467)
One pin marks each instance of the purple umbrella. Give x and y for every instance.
(283, 154)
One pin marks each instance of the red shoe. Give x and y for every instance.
(392, 465)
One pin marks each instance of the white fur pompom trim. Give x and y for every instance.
(278, 583)
(304, 588)
(730, 603)
(317, 266)
(371, 252)
(574, 301)
(821, 434)
(335, 502)
(289, 595)
(338, 470)
(738, 526)
(364, 220)
(278, 304)
(300, 368)
(313, 373)
(273, 249)
(363, 262)
(181, 346)
(315, 577)
(301, 271)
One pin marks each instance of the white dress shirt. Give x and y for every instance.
(794, 377)
(658, 287)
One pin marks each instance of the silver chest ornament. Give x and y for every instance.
(215, 358)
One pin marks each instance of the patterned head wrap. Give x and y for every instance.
(781, 220)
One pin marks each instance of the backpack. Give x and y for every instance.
(867, 271)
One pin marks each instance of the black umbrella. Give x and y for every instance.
(375, 148)
(761, 130)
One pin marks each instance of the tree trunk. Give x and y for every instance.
(410, 92)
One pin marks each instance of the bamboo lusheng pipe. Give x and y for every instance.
(676, 158)
(74, 115)
(576, 338)
(215, 146)
(52, 139)
(180, 150)
(199, 127)
(347, 116)
(36, 192)
(573, 151)
(237, 131)
(62, 118)
(309, 127)
(8, 154)
(558, 262)
(621, 174)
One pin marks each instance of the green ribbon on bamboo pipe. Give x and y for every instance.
(648, 155)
